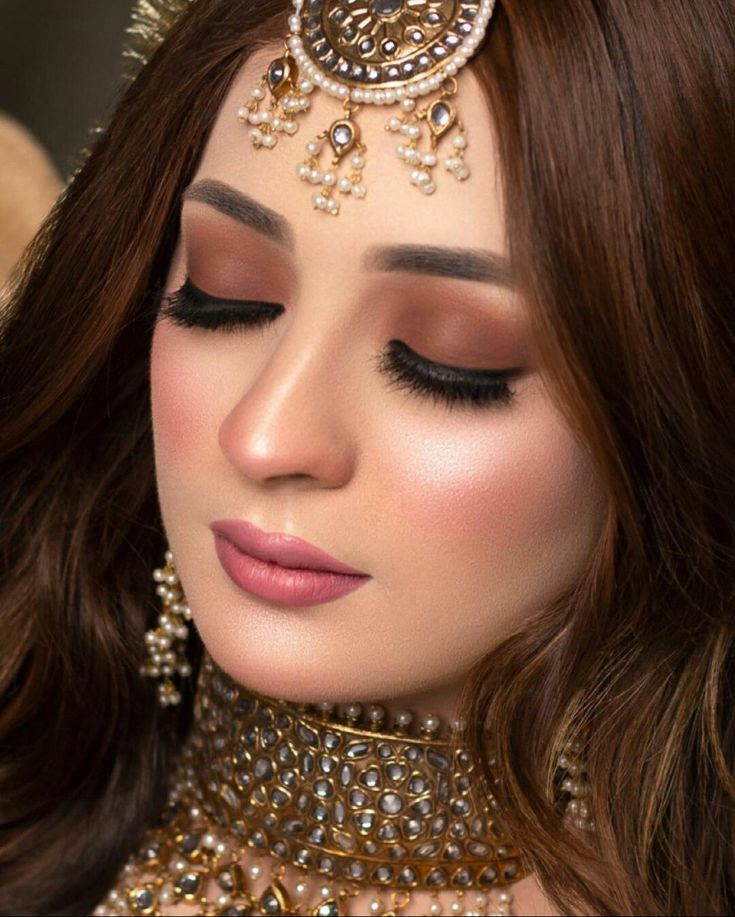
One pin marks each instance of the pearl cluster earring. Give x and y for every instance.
(166, 644)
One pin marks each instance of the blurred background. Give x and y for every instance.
(60, 65)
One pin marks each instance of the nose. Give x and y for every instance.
(293, 421)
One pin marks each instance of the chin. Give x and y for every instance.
(293, 675)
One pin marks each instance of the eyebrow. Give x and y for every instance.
(438, 261)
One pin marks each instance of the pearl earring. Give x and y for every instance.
(166, 644)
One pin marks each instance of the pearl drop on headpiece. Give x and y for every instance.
(392, 53)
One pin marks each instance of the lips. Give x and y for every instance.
(281, 568)
(285, 550)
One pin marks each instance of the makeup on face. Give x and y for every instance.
(460, 322)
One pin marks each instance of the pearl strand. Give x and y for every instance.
(342, 92)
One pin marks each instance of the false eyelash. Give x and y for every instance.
(450, 385)
(190, 307)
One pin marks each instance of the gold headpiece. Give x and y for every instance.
(361, 52)
(379, 52)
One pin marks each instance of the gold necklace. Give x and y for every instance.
(342, 807)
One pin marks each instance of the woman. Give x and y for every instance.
(499, 413)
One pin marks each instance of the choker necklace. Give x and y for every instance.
(354, 817)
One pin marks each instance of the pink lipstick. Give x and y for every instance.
(281, 568)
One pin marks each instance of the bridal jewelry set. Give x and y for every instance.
(281, 808)
(338, 798)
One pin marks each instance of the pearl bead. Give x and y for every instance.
(359, 190)
(367, 95)
(258, 92)
(269, 141)
(277, 124)
(294, 23)
(329, 178)
(375, 906)
(435, 908)
(358, 95)
(319, 201)
(395, 123)
(290, 127)
(315, 176)
(343, 92)
(242, 115)
(429, 159)
(504, 898)
(312, 148)
(459, 142)
(457, 907)
(301, 888)
(344, 185)
(390, 96)
(306, 86)
(255, 870)
(358, 162)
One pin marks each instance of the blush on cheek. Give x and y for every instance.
(528, 483)
(180, 402)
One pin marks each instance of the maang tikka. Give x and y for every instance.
(379, 52)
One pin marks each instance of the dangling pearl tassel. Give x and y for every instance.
(265, 125)
(349, 184)
(166, 644)
(423, 162)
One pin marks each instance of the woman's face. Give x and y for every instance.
(467, 519)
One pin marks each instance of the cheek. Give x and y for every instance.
(181, 395)
(517, 483)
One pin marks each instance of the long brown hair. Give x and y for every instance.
(615, 128)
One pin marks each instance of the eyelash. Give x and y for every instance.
(452, 386)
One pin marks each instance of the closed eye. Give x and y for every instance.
(452, 386)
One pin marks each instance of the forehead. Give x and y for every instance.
(460, 213)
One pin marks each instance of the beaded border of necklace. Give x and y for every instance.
(326, 794)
